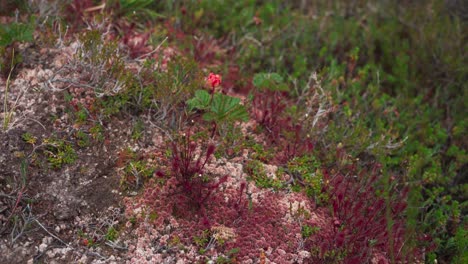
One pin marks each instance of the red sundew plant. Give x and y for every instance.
(268, 108)
(364, 222)
(193, 187)
(204, 50)
(137, 43)
(294, 144)
(76, 12)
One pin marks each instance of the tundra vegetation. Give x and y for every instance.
(234, 131)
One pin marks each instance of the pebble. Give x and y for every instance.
(42, 247)
(50, 253)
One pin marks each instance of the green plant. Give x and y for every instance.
(232, 143)
(18, 215)
(82, 139)
(8, 113)
(16, 32)
(29, 138)
(135, 169)
(101, 61)
(260, 152)
(202, 239)
(138, 129)
(306, 173)
(269, 81)
(97, 132)
(81, 116)
(256, 171)
(111, 234)
(86, 239)
(173, 88)
(59, 152)
(164, 93)
(139, 10)
(230, 257)
(307, 231)
(219, 108)
(10, 35)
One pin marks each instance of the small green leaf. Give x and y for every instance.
(271, 81)
(226, 108)
(15, 32)
(201, 101)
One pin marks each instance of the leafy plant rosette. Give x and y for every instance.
(219, 109)
(222, 108)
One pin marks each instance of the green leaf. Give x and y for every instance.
(201, 101)
(138, 8)
(271, 81)
(15, 32)
(226, 108)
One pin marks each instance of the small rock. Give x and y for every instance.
(47, 240)
(83, 259)
(42, 247)
(50, 254)
(304, 254)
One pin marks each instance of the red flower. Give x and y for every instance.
(257, 20)
(214, 80)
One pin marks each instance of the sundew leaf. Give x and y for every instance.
(271, 81)
(201, 101)
(226, 108)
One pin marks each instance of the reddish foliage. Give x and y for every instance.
(363, 221)
(137, 43)
(232, 80)
(258, 227)
(204, 50)
(268, 108)
(191, 188)
(293, 144)
(363, 226)
(262, 226)
(281, 131)
(76, 12)
(174, 32)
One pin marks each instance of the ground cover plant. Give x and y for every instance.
(233, 132)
